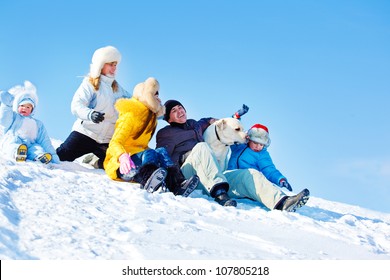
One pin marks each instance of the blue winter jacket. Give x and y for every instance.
(243, 157)
(17, 129)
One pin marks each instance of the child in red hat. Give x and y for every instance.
(254, 154)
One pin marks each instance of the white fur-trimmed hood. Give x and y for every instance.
(100, 57)
(145, 93)
(22, 93)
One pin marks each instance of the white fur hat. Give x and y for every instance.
(259, 133)
(24, 94)
(145, 91)
(102, 56)
(149, 86)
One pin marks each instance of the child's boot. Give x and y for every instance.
(21, 153)
(44, 158)
(292, 203)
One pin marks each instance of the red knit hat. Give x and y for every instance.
(259, 133)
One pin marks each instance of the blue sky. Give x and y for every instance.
(317, 73)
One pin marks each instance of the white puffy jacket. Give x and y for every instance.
(86, 100)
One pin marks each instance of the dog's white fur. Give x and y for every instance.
(222, 134)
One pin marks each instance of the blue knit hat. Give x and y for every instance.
(27, 100)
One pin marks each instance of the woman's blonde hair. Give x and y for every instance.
(96, 83)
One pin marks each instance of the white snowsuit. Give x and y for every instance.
(18, 129)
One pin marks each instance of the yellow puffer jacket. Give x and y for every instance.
(133, 130)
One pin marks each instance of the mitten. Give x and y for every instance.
(126, 163)
(241, 112)
(97, 117)
(6, 98)
(284, 184)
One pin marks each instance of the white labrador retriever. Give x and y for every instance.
(222, 134)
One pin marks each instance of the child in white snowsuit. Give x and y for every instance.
(23, 136)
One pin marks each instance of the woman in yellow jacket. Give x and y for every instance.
(129, 157)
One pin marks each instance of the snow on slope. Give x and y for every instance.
(71, 212)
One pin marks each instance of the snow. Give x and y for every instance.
(70, 211)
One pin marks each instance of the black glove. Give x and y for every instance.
(284, 184)
(241, 112)
(97, 117)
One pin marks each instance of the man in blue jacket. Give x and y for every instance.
(183, 139)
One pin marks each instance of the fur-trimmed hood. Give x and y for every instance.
(145, 92)
(23, 94)
(100, 57)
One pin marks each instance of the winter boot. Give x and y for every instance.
(225, 200)
(177, 183)
(21, 153)
(187, 186)
(144, 173)
(292, 203)
(156, 180)
(150, 177)
(44, 158)
(219, 192)
(92, 160)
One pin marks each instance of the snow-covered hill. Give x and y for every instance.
(69, 211)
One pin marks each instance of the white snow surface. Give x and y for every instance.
(70, 211)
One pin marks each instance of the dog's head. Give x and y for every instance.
(230, 131)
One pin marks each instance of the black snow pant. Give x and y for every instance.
(77, 145)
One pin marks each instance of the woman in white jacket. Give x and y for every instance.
(93, 105)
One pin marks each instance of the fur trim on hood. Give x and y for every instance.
(102, 56)
(23, 94)
(145, 92)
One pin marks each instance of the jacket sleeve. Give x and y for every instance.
(6, 112)
(163, 139)
(204, 123)
(125, 93)
(81, 102)
(45, 141)
(268, 168)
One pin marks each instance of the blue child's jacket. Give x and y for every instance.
(17, 129)
(243, 157)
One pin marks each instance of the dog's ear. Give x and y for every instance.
(221, 124)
